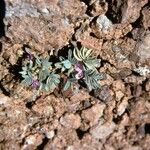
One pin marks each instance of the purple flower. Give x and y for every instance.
(79, 71)
(35, 83)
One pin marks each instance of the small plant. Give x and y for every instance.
(84, 55)
(79, 65)
(66, 64)
(38, 73)
(91, 79)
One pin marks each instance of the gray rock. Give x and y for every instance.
(103, 22)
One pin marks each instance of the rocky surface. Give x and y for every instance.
(117, 116)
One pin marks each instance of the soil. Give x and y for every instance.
(115, 117)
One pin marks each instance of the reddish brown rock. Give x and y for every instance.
(40, 23)
(146, 17)
(33, 141)
(93, 114)
(147, 86)
(84, 36)
(44, 108)
(65, 138)
(91, 43)
(102, 131)
(134, 79)
(122, 106)
(58, 105)
(104, 94)
(139, 113)
(11, 145)
(131, 10)
(118, 34)
(71, 121)
(81, 96)
(98, 8)
(102, 27)
(143, 49)
(118, 85)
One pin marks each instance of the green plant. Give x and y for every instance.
(38, 74)
(84, 55)
(51, 82)
(91, 78)
(66, 64)
(79, 65)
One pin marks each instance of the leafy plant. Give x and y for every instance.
(79, 65)
(38, 74)
(91, 79)
(69, 83)
(51, 83)
(66, 63)
(63, 64)
(84, 55)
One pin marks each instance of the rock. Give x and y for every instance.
(84, 36)
(122, 106)
(118, 33)
(143, 71)
(138, 111)
(33, 119)
(146, 17)
(143, 48)
(18, 114)
(103, 23)
(137, 91)
(47, 130)
(39, 23)
(43, 107)
(118, 85)
(2, 135)
(35, 140)
(11, 145)
(125, 72)
(147, 86)
(93, 114)
(103, 28)
(131, 10)
(134, 79)
(86, 104)
(58, 105)
(104, 93)
(108, 81)
(50, 134)
(4, 100)
(119, 95)
(98, 8)
(65, 137)
(71, 121)
(91, 43)
(81, 96)
(120, 30)
(3, 116)
(101, 132)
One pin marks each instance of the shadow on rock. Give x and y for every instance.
(4, 91)
(2, 15)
